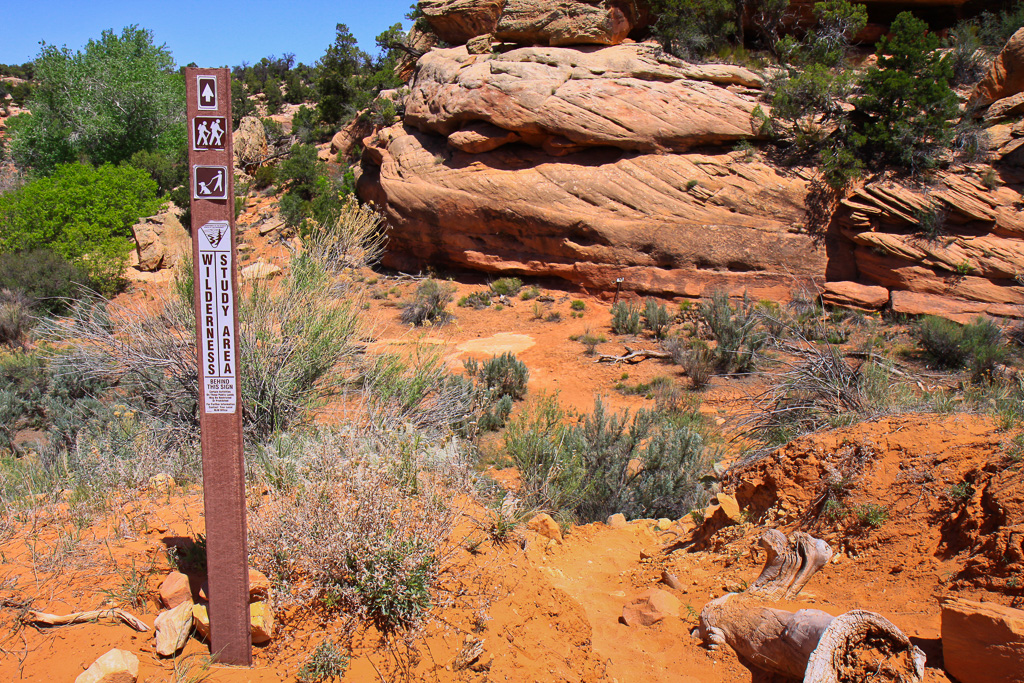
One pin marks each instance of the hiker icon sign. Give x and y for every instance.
(206, 91)
(209, 182)
(208, 133)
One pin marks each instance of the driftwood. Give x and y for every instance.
(632, 356)
(83, 617)
(807, 645)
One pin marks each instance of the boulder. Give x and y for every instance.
(533, 22)
(456, 21)
(350, 135)
(261, 270)
(160, 241)
(628, 97)
(544, 525)
(666, 224)
(563, 22)
(480, 136)
(855, 295)
(250, 143)
(650, 607)
(1005, 76)
(175, 590)
(116, 666)
(983, 642)
(172, 628)
(1006, 107)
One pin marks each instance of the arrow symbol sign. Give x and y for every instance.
(206, 87)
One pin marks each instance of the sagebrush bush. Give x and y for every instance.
(977, 345)
(354, 238)
(365, 529)
(48, 280)
(656, 318)
(625, 318)
(582, 466)
(15, 317)
(293, 339)
(505, 375)
(737, 331)
(429, 303)
(507, 286)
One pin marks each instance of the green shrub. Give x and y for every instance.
(326, 664)
(353, 237)
(507, 286)
(577, 305)
(736, 329)
(995, 28)
(625, 318)
(529, 293)
(49, 281)
(656, 318)
(871, 515)
(429, 303)
(696, 358)
(582, 466)
(505, 375)
(168, 169)
(590, 341)
(82, 213)
(978, 345)
(310, 196)
(264, 177)
(695, 28)
(477, 300)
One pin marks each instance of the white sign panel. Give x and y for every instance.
(218, 350)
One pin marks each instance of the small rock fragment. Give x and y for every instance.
(173, 628)
(664, 524)
(650, 607)
(729, 506)
(161, 483)
(670, 580)
(116, 666)
(547, 527)
(261, 620)
(201, 620)
(175, 590)
(617, 521)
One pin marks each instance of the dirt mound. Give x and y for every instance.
(920, 491)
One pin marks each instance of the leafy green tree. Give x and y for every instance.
(838, 21)
(82, 213)
(337, 82)
(694, 28)
(905, 111)
(309, 192)
(116, 97)
(241, 105)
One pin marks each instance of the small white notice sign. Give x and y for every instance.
(218, 349)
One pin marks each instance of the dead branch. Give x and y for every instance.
(632, 356)
(84, 617)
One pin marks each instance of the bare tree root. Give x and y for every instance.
(790, 565)
(83, 617)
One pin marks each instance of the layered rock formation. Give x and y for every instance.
(617, 167)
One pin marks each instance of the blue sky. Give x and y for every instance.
(211, 34)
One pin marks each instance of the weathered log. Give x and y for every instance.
(790, 565)
(84, 617)
(811, 645)
(807, 645)
(632, 356)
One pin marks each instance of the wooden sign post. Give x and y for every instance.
(211, 178)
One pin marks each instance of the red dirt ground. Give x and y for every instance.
(543, 611)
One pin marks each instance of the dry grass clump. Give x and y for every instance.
(360, 526)
(356, 238)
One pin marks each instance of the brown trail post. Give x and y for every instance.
(214, 258)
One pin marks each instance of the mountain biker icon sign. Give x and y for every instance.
(209, 182)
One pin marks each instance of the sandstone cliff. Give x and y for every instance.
(615, 164)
